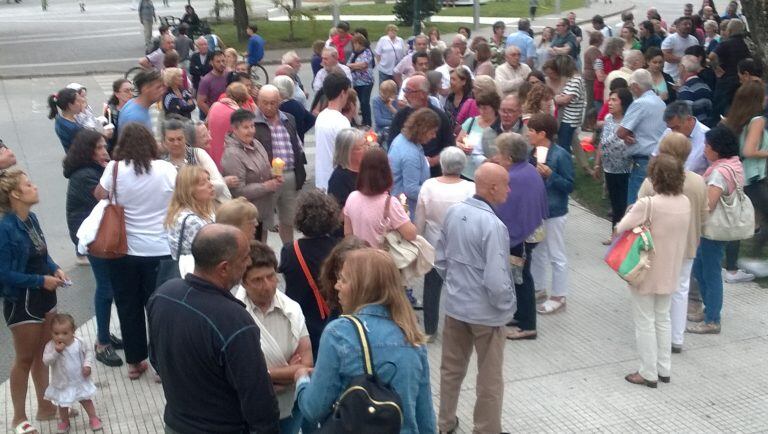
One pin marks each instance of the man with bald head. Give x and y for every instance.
(276, 131)
(204, 343)
(417, 95)
(633, 61)
(472, 257)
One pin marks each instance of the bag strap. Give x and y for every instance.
(364, 344)
(386, 206)
(181, 235)
(113, 190)
(648, 212)
(322, 306)
(736, 185)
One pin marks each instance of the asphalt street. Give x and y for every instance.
(74, 47)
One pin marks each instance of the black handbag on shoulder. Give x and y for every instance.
(367, 405)
(169, 268)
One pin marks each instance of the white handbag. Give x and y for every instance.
(734, 216)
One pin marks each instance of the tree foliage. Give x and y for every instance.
(756, 12)
(295, 15)
(403, 10)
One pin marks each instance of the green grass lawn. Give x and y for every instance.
(491, 9)
(275, 33)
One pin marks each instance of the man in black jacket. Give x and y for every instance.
(277, 132)
(200, 62)
(206, 347)
(417, 94)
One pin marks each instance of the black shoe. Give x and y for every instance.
(108, 356)
(116, 342)
(676, 349)
(664, 379)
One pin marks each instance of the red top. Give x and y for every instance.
(340, 43)
(608, 66)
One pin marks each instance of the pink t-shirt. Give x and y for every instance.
(366, 213)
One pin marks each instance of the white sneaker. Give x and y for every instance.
(738, 276)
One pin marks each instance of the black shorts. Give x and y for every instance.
(30, 307)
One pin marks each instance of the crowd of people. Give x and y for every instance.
(468, 150)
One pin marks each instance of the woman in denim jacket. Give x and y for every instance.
(28, 279)
(369, 287)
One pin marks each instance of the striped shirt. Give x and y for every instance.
(281, 144)
(573, 113)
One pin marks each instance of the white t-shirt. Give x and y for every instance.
(390, 52)
(677, 44)
(145, 198)
(435, 198)
(327, 125)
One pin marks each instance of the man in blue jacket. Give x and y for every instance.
(255, 45)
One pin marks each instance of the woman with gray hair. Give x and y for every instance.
(305, 120)
(523, 213)
(350, 147)
(435, 197)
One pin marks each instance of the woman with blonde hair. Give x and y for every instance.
(231, 56)
(369, 288)
(191, 208)
(240, 213)
(177, 100)
(694, 188)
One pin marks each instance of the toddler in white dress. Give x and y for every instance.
(70, 360)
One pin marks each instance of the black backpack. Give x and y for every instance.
(367, 405)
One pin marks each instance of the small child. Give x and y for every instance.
(70, 360)
(384, 107)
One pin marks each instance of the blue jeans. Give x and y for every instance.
(706, 270)
(636, 178)
(565, 135)
(364, 95)
(102, 298)
(294, 422)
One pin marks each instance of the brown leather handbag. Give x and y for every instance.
(111, 239)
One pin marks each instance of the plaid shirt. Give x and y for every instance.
(281, 144)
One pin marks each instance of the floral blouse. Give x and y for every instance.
(362, 77)
(615, 157)
(192, 225)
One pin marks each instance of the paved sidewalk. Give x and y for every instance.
(571, 378)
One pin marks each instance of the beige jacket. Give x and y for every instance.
(251, 165)
(509, 79)
(670, 218)
(696, 191)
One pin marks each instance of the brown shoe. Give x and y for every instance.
(515, 334)
(696, 317)
(704, 328)
(636, 378)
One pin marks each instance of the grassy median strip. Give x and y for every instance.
(491, 9)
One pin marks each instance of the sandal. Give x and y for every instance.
(135, 371)
(73, 412)
(551, 306)
(704, 328)
(541, 296)
(25, 428)
(95, 424)
(62, 427)
(516, 334)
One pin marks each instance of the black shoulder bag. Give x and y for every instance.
(367, 405)
(169, 268)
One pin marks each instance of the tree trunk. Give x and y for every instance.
(756, 12)
(241, 19)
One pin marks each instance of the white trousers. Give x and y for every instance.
(551, 251)
(652, 333)
(678, 311)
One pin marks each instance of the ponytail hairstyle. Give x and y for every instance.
(61, 101)
(116, 85)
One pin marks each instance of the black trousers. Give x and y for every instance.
(617, 184)
(526, 291)
(364, 95)
(433, 286)
(133, 282)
